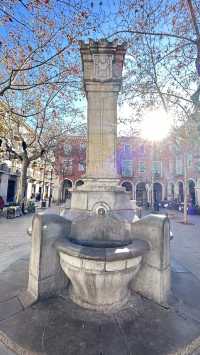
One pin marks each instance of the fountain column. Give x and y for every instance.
(102, 63)
(102, 74)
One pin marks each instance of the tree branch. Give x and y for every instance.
(149, 33)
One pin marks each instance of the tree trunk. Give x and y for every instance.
(185, 190)
(23, 181)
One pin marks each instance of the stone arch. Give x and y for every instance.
(79, 183)
(66, 185)
(141, 194)
(157, 191)
(191, 191)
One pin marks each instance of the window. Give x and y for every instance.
(127, 148)
(179, 167)
(127, 168)
(81, 165)
(82, 147)
(67, 148)
(156, 167)
(141, 167)
(68, 166)
(141, 149)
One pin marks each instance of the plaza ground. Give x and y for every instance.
(185, 246)
(15, 244)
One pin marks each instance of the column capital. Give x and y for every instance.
(102, 63)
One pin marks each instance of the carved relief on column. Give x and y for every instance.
(102, 66)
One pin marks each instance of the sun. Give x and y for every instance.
(156, 125)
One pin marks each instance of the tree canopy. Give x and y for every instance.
(40, 62)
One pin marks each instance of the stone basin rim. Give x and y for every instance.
(135, 248)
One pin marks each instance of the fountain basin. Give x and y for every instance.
(100, 274)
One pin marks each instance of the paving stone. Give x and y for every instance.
(9, 307)
(58, 327)
(5, 351)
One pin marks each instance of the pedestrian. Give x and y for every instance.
(23, 206)
(50, 197)
(2, 204)
(38, 196)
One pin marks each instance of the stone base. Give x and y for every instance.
(100, 184)
(110, 199)
(99, 193)
(58, 326)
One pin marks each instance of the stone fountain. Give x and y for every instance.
(93, 252)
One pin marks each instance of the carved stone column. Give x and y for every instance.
(102, 74)
(102, 77)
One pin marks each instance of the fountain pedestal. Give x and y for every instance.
(101, 259)
(102, 75)
(94, 250)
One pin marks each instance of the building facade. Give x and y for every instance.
(40, 180)
(40, 175)
(149, 171)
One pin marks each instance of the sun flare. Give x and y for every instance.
(155, 126)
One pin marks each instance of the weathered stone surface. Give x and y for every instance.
(100, 185)
(155, 230)
(65, 245)
(134, 262)
(58, 326)
(102, 91)
(93, 253)
(46, 277)
(97, 228)
(94, 273)
(92, 265)
(99, 284)
(89, 200)
(9, 307)
(132, 250)
(153, 283)
(116, 265)
(153, 278)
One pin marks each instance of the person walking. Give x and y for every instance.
(2, 204)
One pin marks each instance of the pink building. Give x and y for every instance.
(141, 165)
